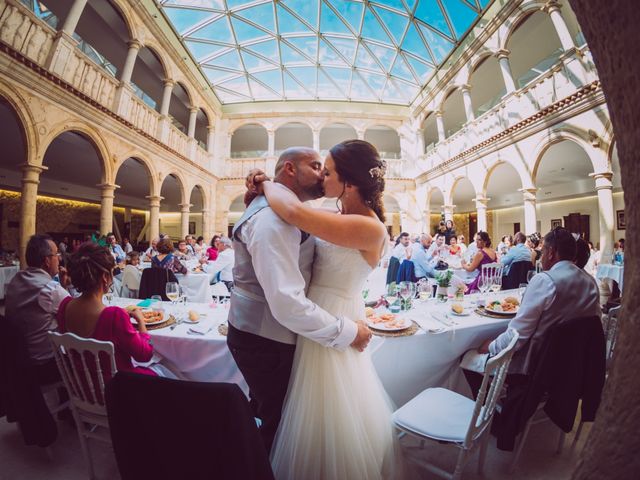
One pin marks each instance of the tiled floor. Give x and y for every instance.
(538, 461)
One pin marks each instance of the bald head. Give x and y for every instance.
(294, 155)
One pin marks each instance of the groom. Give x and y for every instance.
(269, 307)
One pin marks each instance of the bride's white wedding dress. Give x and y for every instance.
(336, 422)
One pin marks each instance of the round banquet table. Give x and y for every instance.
(612, 272)
(405, 365)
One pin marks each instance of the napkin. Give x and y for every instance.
(145, 303)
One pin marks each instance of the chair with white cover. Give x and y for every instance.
(445, 416)
(81, 362)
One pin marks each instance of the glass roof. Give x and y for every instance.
(352, 50)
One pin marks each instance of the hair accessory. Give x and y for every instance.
(379, 171)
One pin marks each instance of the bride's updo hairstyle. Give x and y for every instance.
(88, 264)
(358, 163)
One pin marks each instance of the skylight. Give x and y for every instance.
(350, 50)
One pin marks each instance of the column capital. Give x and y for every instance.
(449, 208)
(211, 128)
(154, 200)
(31, 168)
(167, 82)
(193, 109)
(603, 180)
(465, 88)
(107, 186)
(438, 113)
(529, 194)
(481, 202)
(134, 44)
(185, 207)
(607, 174)
(551, 6)
(502, 53)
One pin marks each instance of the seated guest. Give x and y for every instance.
(533, 242)
(183, 252)
(561, 292)
(438, 249)
(126, 245)
(212, 251)
(463, 246)
(32, 300)
(519, 253)
(422, 261)
(402, 250)
(485, 255)
(90, 270)
(224, 262)
(449, 231)
(115, 249)
(198, 247)
(190, 242)
(620, 247)
(454, 248)
(152, 251)
(166, 259)
(582, 253)
(504, 245)
(132, 274)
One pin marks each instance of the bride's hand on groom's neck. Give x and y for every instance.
(253, 183)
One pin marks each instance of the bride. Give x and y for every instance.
(336, 422)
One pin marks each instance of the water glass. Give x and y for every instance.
(156, 298)
(521, 288)
(172, 290)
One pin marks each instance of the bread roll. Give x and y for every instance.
(456, 307)
(193, 316)
(368, 312)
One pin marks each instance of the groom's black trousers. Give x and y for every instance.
(266, 366)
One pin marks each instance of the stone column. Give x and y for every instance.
(271, 146)
(440, 125)
(154, 216)
(481, 209)
(530, 215)
(73, 17)
(466, 98)
(206, 226)
(448, 212)
(552, 7)
(228, 146)
(316, 140)
(166, 96)
(420, 142)
(604, 187)
(107, 194)
(211, 138)
(129, 63)
(505, 68)
(185, 209)
(191, 129)
(28, 202)
(360, 134)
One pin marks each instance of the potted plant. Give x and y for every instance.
(443, 279)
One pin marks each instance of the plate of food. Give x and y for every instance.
(459, 310)
(193, 317)
(506, 306)
(386, 322)
(151, 317)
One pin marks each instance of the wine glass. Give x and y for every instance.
(521, 288)
(172, 290)
(407, 290)
(496, 283)
(392, 294)
(424, 290)
(108, 296)
(484, 283)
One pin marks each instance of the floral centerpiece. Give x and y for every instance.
(443, 279)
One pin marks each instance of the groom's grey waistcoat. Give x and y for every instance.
(249, 310)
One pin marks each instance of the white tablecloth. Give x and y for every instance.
(6, 274)
(613, 272)
(203, 358)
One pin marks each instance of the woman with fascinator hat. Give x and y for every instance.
(336, 421)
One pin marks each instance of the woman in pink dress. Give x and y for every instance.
(212, 251)
(90, 268)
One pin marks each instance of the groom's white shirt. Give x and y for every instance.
(274, 246)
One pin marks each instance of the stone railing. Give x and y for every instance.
(202, 157)
(178, 141)
(33, 38)
(572, 71)
(235, 168)
(142, 116)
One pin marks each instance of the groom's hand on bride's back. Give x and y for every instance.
(363, 337)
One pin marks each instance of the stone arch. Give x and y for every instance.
(25, 119)
(183, 84)
(517, 19)
(156, 49)
(456, 180)
(181, 184)
(557, 136)
(203, 194)
(284, 121)
(128, 17)
(525, 180)
(154, 185)
(446, 94)
(91, 135)
(477, 59)
(246, 121)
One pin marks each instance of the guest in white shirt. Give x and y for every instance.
(463, 246)
(126, 245)
(402, 250)
(190, 241)
(32, 300)
(438, 249)
(152, 251)
(223, 264)
(561, 292)
(422, 261)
